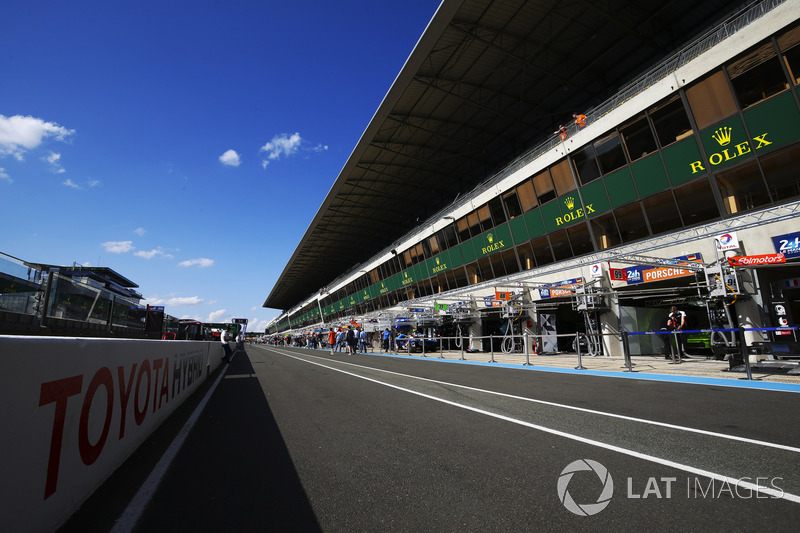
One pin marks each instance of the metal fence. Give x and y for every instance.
(527, 350)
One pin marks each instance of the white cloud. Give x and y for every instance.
(257, 325)
(176, 301)
(201, 262)
(218, 316)
(230, 158)
(118, 247)
(93, 183)
(4, 176)
(70, 183)
(140, 231)
(19, 134)
(281, 145)
(152, 253)
(54, 160)
(320, 148)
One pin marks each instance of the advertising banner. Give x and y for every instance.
(646, 273)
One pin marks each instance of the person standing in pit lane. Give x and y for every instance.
(332, 340)
(224, 338)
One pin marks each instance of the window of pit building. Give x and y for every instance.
(609, 152)
(527, 195)
(526, 256)
(420, 253)
(662, 213)
(696, 203)
(605, 231)
(510, 261)
(473, 274)
(631, 223)
(484, 218)
(374, 276)
(460, 277)
(586, 168)
(447, 237)
(432, 245)
(757, 75)
(474, 223)
(511, 201)
(562, 176)
(407, 258)
(711, 100)
(780, 171)
(789, 45)
(498, 267)
(638, 138)
(580, 239)
(496, 209)
(560, 245)
(671, 122)
(463, 229)
(742, 188)
(542, 251)
(543, 186)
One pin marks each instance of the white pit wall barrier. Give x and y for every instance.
(72, 410)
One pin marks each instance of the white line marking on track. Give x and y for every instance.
(686, 468)
(127, 520)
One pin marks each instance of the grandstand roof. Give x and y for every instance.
(487, 80)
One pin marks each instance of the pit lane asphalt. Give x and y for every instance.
(294, 440)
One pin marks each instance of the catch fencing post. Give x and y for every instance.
(526, 341)
(626, 350)
(744, 352)
(491, 347)
(578, 346)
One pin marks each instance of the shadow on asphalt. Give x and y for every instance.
(233, 473)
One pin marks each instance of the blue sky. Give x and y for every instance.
(186, 144)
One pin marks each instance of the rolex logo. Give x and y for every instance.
(723, 136)
(405, 274)
(437, 260)
(490, 238)
(569, 201)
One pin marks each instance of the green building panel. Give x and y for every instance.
(595, 198)
(649, 175)
(550, 212)
(518, 229)
(726, 144)
(773, 123)
(533, 220)
(438, 264)
(408, 277)
(456, 259)
(468, 251)
(681, 161)
(494, 240)
(563, 212)
(621, 189)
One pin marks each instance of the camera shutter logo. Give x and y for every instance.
(585, 509)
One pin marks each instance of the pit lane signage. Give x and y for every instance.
(564, 288)
(646, 273)
(726, 241)
(756, 260)
(788, 244)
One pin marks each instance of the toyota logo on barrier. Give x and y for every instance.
(585, 509)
